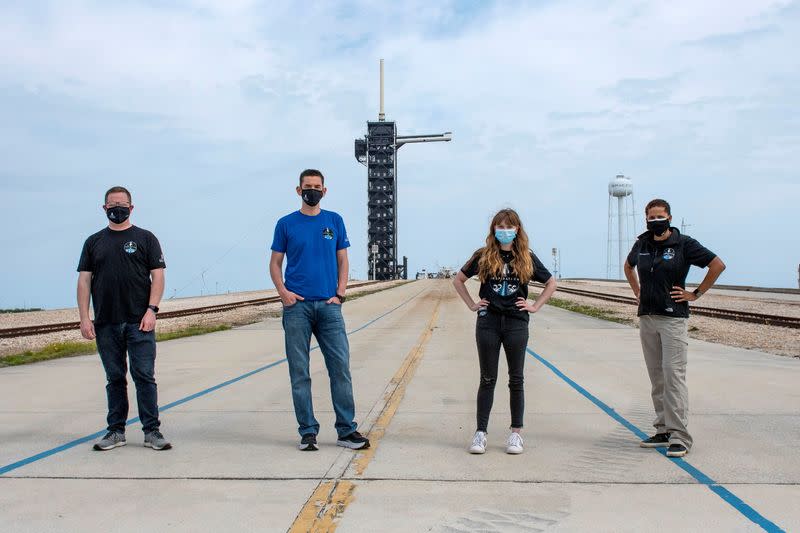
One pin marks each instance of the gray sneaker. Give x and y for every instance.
(156, 440)
(113, 439)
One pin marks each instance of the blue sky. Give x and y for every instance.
(207, 111)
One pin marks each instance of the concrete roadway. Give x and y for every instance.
(234, 465)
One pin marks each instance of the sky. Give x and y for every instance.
(208, 111)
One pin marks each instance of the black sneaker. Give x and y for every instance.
(308, 443)
(354, 441)
(677, 450)
(659, 440)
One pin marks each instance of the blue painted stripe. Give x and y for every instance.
(52, 451)
(702, 478)
(58, 449)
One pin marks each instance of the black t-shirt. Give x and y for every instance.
(662, 265)
(120, 263)
(503, 292)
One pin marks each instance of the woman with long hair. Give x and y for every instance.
(504, 266)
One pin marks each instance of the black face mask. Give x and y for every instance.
(118, 214)
(658, 227)
(311, 196)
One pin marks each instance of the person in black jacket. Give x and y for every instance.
(662, 257)
(505, 266)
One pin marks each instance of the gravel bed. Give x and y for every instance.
(56, 316)
(240, 316)
(770, 339)
(765, 305)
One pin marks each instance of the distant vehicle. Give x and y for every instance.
(443, 273)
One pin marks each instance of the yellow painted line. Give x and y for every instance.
(393, 397)
(330, 499)
(321, 511)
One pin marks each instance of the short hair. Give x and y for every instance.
(311, 172)
(658, 202)
(118, 189)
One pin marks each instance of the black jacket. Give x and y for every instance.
(662, 265)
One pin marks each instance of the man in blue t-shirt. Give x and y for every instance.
(315, 244)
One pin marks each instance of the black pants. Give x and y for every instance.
(114, 342)
(492, 331)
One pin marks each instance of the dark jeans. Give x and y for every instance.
(326, 323)
(492, 331)
(113, 341)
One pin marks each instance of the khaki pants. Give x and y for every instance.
(664, 343)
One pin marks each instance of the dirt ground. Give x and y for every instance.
(771, 339)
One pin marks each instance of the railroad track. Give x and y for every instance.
(726, 314)
(41, 329)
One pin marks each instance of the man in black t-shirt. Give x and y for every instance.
(122, 270)
(662, 257)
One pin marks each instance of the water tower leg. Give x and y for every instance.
(621, 232)
(610, 250)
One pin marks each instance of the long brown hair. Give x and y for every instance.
(491, 264)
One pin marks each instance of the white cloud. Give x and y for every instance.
(545, 100)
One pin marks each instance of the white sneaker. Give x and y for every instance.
(514, 444)
(478, 443)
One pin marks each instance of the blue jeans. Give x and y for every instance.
(113, 341)
(326, 323)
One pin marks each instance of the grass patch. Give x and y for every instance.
(373, 291)
(191, 331)
(588, 310)
(21, 310)
(57, 350)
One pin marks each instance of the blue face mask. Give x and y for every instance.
(505, 236)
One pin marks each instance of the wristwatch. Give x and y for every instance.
(153, 308)
(697, 292)
(341, 297)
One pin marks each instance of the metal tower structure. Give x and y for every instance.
(378, 152)
(556, 264)
(621, 188)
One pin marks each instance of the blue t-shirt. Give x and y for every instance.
(310, 244)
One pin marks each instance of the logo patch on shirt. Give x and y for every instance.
(130, 247)
(669, 253)
(504, 288)
(508, 284)
(327, 233)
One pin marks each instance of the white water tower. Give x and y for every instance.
(621, 189)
